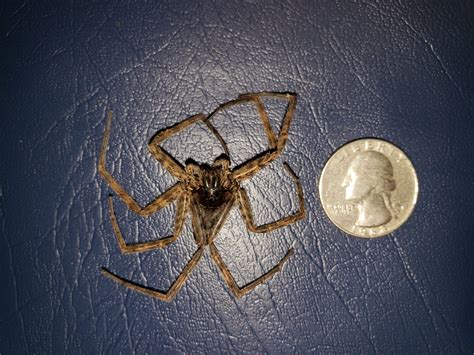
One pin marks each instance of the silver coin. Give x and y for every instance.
(368, 188)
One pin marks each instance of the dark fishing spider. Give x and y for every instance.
(209, 192)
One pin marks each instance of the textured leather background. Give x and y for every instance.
(401, 71)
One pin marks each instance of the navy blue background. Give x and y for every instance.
(400, 71)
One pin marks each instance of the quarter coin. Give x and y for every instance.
(368, 188)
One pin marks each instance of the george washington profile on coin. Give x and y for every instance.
(369, 183)
(368, 188)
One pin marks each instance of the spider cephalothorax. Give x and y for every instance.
(208, 192)
(210, 182)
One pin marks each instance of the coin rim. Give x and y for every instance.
(415, 197)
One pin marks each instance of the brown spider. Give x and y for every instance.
(209, 192)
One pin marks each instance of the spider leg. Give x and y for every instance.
(272, 140)
(161, 201)
(283, 136)
(163, 296)
(229, 279)
(219, 137)
(170, 163)
(155, 244)
(252, 166)
(246, 209)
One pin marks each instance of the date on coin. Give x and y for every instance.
(368, 188)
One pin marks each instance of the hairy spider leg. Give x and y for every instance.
(182, 205)
(219, 137)
(250, 98)
(254, 165)
(168, 161)
(174, 167)
(246, 209)
(163, 296)
(161, 201)
(229, 279)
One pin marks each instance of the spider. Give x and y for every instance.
(208, 192)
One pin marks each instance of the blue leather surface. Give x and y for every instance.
(400, 71)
